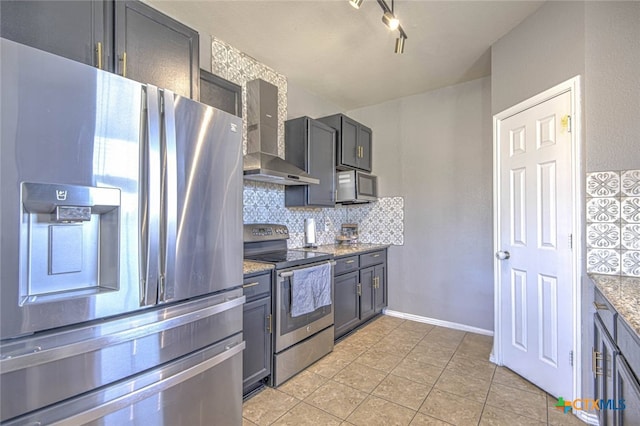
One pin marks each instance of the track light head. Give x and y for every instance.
(400, 44)
(356, 3)
(390, 21)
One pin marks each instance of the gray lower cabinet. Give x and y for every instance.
(310, 145)
(346, 302)
(256, 329)
(360, 289)
(628, 391)
(154, 48)
(616, 362)
(604, 365)
(76, 30)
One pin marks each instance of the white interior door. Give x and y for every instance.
(536, 222)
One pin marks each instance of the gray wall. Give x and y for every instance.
(601, 42)
(612, 95)
(301, 102)
(435, 150)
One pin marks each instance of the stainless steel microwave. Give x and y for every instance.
(356, 187)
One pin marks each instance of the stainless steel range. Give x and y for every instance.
(299, 340)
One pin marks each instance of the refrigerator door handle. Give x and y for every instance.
(169, 212)
(150, 200)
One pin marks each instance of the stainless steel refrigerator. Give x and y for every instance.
(121, 250)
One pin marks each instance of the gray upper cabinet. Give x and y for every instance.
(310, 145)
(77, 30)
(153, 48)
(220, 93)
(354, 142)
(126, 37)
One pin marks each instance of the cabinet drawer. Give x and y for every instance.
(606, 312)
(346, 264)
(257, 285)
(372, 258)
(629, 345)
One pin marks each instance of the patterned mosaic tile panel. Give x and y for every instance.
(381, 222)
(613, 222)
(239, 68)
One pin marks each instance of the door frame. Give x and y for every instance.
(573, 86)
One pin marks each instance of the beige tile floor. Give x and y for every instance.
(397, 372)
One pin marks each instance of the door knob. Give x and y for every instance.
(503, 255)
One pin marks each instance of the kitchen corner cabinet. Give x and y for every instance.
(147, 46)
(615, 366)
(353, 142)
(76, 30)
(310, 145)
(220, 93)
(360, 289)
(256, 330)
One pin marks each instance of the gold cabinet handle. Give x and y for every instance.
(269, 324)
(123, 67)
(250, 285)
(595, 357)
(349, 261)
(359, 289)
(99, 54)
(600, 306)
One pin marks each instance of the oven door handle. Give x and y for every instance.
(287, 274)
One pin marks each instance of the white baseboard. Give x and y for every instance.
(438, 322)
(589, 418)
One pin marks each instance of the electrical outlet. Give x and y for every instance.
(327, 224)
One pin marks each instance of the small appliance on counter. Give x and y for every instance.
(348, 234)
(310, 233)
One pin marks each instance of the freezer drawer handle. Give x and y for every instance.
(84, 346)
(129, 399)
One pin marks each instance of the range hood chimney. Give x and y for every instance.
(262, 162)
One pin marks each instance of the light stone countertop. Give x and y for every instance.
(624, 295)
(348, 249)
(253, 267)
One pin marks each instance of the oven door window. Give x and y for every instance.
(289, 323)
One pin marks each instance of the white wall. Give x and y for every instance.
(435, 150)
(301, 102)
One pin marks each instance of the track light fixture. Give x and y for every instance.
(400, 44)
(390, 19)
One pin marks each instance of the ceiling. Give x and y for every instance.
(346, 56)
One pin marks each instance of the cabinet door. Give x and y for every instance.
(380, 293)
(346, 303)
(256, 330)
(627, 393)
(71, 29)
(321, 164)
(604, 363)
(367, 293)
(364, 148)
(220, 93)
(153, 48)
(349, 142)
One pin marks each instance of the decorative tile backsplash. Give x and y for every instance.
(613, 222)
(239, 68)
(381, 222)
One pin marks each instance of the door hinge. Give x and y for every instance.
(571, 358)
(571, 241)
(161, 105)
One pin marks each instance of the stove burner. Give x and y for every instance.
(283, 259)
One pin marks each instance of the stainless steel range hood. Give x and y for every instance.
(262, 162)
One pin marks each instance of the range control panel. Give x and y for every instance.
(265, 232)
